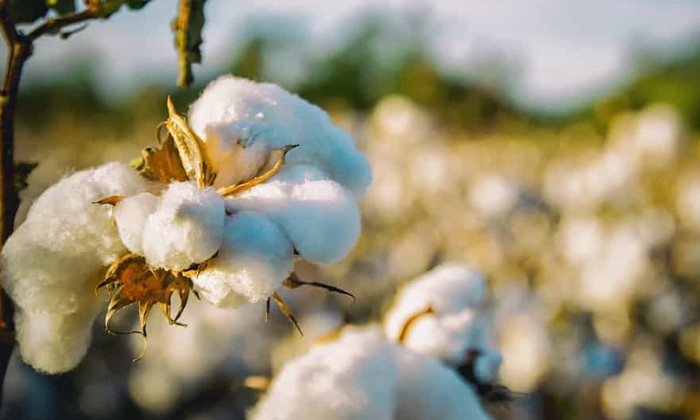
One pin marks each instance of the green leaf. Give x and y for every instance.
(22, 171)
(62, 7)
(188, 25)
(27, 11)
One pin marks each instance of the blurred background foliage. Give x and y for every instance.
(586, 222)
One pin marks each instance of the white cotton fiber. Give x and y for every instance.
(429, 390)
(447, 288)
(361, 376)
(352, 378)
(318, 215)
(456, 325)
(52, 342)
(254, 259)
(186, 228)
(131, 215)
(233, 114)
(54, 259)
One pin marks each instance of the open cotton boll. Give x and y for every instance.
(317, 214)
(131, 215)
(429, 390)
(57, 255)
(54, 259)
(254, 259)
(186, 227)
(352, 378)
(361, 376)
(447, 288)
(234, 114)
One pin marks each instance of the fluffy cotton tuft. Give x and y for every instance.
(361, 376)
(234, 116)
(352, 378)
(318, 215)
(254, 259)
(186, 227)
(131, 215)
(54, 259)
(455, 326)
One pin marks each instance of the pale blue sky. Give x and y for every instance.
(567, 49)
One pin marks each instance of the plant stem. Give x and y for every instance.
(19, 49)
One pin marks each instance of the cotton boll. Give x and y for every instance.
(131, 215)
(186, 228)
(234, 114)
(447, 338)
(429, 390)
(55, 258)
(352, 378)
(318, 215)
(254, 259)
(447, 288)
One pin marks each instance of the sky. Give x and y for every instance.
(567, 50)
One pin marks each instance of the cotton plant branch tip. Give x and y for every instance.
(287, 312)
(239, 188)
(411, 321)
(293, 281)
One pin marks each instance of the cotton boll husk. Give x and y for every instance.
(429, 390)
(234, 114)
(186, 228)
(131, 215)
(254, 259)
(318, 215)
(447, 288)
(352, 378)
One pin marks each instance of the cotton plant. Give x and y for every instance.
(253, 179)
(363, 376)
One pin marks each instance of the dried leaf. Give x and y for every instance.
(162, 165)
(239, 188)
(131, 280)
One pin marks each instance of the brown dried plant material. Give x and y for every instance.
(131, 280)
(163, 164)
(112, 200)
(285, 310)
(410, 321)
(190, 148)
(293, 282)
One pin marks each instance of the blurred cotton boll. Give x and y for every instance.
(362, 376)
